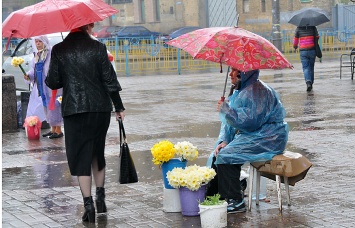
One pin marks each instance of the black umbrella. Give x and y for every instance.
(309, 17)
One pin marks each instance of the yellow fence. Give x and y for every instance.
(153, 57)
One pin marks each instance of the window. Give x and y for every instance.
(142, 11)
(157, 10)
(245, 6)
(263, 6)
(121, 1)
(290, 6)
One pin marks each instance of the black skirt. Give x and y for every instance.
(85, 136)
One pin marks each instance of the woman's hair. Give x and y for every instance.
(85, 27)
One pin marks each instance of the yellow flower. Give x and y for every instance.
(162, 152)
(16, 62)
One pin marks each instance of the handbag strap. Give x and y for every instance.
(315, 37)
(122, 131)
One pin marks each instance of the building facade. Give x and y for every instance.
(166, 15)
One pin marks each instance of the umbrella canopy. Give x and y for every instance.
(233, 46)
(51, 16)
(309, 17)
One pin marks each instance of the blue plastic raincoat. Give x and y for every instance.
(252, 123)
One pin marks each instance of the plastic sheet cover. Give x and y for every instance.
(252, 123)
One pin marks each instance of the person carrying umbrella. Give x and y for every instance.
(80, 65)
(305, 39)
(252, 130)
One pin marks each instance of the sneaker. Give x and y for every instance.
(235, 207)
(309, 86)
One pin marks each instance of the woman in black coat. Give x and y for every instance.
(79, 65)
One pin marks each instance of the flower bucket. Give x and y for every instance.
(33, 132)
(190, 200)
(213, 215)
(168, 166)
(33, 126)
(171, 201)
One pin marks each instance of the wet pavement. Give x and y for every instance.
(38, 190)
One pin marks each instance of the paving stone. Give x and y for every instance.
(38, 190)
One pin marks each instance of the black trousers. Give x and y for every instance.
(226, 182)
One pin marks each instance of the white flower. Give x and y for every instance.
(192, 177)
(186, 150)
(59, 99)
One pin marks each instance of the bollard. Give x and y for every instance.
(9, 104)
(25, 97)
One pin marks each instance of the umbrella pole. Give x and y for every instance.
(225, 85)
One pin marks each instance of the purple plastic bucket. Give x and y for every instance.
(189, 200)
(168, 166)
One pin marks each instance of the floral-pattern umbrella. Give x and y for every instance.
(233, 46)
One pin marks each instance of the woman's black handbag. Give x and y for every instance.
(127, 170)
(318, 50)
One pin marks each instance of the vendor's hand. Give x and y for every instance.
(119, 115)
(26, 77)
(220, 102)
(219, 147)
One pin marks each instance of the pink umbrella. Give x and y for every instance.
(233, 46)
(51, 16)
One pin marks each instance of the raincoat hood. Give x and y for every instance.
(45, 41)
(248, 78)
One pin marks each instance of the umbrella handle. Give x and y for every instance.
(225, 84)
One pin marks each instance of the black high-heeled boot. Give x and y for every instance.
(100, 200)
(89, 214)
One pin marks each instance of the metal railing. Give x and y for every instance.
(147, 56)
(143, 56)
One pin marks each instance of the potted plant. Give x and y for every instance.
(213, 212)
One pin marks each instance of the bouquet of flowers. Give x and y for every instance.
(16, 62)
(186, 151)
(162, 152)
(166, 150)
(192, 177)
(32, 121)
(59, 99)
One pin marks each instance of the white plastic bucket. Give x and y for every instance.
(171, 201)
(213, 216)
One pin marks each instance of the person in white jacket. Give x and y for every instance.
(43, 101)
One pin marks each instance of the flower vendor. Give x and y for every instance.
(252, 130)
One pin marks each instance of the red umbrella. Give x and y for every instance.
(52, 16)
(233, 46)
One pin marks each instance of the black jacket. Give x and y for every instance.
(81, 67)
